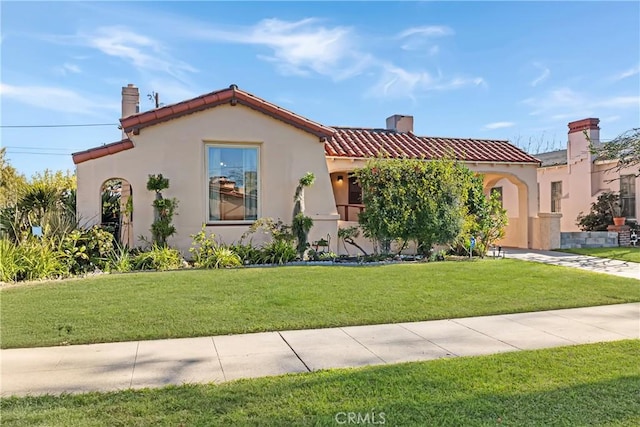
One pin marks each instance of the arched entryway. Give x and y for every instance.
(116, 195)
(515, 194)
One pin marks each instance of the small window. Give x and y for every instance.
(628, 195)
(498, 191)
(355, 191)
(556, 196)
(232, 179)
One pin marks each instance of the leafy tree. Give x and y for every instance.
(625, 147)
(48, 200)
(11, 182)
(486, 218)
(414, 200)
(348, 235)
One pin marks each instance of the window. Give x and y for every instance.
(628, 195)
(233, 183)
(556, 196)
(498, 191)
(355, 191)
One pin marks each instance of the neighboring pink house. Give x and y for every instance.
(570, 180)
(232, 157)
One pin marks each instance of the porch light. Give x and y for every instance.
(339, 178)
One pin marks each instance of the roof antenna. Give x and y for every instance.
(155, 97)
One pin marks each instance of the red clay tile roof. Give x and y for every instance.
(363, 143)
(231, 95)
(340, 141)
(105, 150)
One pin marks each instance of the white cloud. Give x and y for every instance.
(419, 38)
(565, 103)
(67, 68)
(399, 82)
(144, 53)
(300, 47)
(619, 102)
(544, 74)
(498, 125)
(57, 99)
(427, 31)
(628, 73)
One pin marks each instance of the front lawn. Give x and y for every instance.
(594, 384)
(189, 303)
(631, 254)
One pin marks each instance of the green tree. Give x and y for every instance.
(414, 200)
(486, 218)
(47, 200)
(625, 148)
(12, 183)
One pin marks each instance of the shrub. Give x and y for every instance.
(601, 214)
(120, 259)
(164, 209)
(247, 252)
(32, 259)
(86, 250)
(207, 253)
(277, 252)
(158, 258)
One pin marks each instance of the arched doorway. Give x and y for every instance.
(116, 204)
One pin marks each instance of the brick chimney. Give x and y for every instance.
(584, 124)
(130, 102)
(400, 123)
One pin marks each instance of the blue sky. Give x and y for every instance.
(508, 70)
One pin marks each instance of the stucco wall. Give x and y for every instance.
(177, 150)
(582, 181)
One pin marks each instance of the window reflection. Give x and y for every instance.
(233, 183)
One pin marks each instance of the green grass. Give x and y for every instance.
(594, 384)
(631, 254)
(190, 303)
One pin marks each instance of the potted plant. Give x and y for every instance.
(616, 211)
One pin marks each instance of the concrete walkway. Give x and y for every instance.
(584, 262)
(115, 366)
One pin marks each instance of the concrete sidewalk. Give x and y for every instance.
(116, 366)
(584, 262)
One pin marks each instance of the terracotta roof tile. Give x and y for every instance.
(363, 143)
(231, 95)
(104, 150)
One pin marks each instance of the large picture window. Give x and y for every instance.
(628, 195)
(232, 177)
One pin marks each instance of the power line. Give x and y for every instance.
(20, 147)
(58, 126)
(41, 153)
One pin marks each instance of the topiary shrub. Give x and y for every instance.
(164, 209)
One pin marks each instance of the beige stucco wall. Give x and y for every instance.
(582, 181)
(177, 150)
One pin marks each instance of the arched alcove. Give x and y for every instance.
(116, 207)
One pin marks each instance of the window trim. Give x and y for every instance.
(632, 178)
(222, 144)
